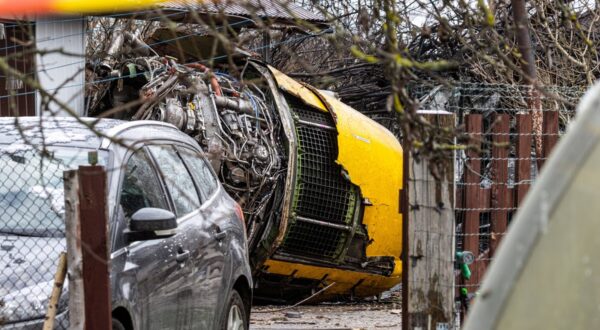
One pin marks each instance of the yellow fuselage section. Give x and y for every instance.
(373, 158)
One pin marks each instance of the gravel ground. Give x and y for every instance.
(364, 315)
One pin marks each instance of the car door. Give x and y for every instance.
(154, 267)
(197, 245)
(211, 263)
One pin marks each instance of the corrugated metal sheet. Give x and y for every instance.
(278, 9)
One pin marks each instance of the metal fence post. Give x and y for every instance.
(73, 235)
(94, 241)
(404, 209)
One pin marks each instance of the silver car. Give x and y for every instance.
(196, 276)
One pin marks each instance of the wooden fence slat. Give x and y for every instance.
(474, 127)
(523, 163)
(550, 133)
(485, 197)
(499, 197)
(94, 241)
(428, 249)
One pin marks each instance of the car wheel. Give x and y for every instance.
(235, 317)
(117, 325)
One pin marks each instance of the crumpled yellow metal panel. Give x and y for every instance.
(373, 158)
(297, 89)
(345, 280)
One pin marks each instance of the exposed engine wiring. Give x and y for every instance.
(234, 121)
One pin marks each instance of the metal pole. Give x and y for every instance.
(405, 228)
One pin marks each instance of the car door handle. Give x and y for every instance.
(220, 235)
(182, 255)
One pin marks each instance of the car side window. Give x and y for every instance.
(207, 183)
(141, 187)
(177, 179)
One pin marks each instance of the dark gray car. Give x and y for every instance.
(195, 277)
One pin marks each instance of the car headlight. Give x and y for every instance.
(29, 303)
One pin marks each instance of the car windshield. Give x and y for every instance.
(31, 188)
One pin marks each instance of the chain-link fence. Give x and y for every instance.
(34, 154)
(32, 233)
(509, 132)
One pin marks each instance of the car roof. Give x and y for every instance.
(83, 132)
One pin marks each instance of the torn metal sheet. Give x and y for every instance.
(297, 89)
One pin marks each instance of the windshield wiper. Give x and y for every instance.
(14, 233)
(32, 233)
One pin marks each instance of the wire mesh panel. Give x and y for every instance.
(325, 201)
(33, 157)
(324, 193)
(32, 232)
(324, 241)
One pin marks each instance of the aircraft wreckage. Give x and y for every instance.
(318, 181)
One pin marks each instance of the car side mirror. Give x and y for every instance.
(151, 223)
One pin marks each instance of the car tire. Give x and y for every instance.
(235, 317)
(117, 325)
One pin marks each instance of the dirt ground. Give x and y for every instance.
(363, 315)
